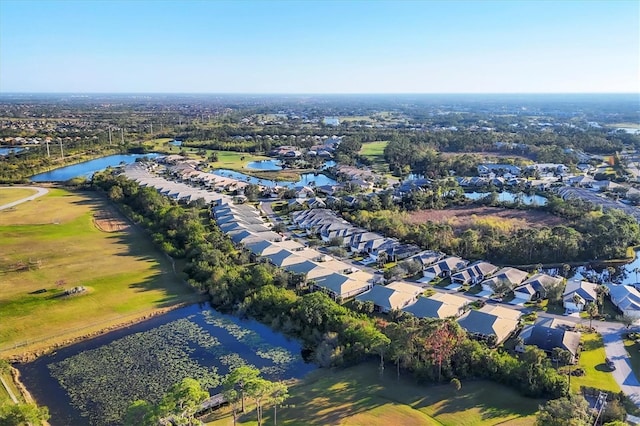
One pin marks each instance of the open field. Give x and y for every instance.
(53, 244)
(374, 151)
(9, 194)
(357, 396)
(464, 217)
(592, 361)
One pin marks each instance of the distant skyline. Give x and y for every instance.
(320, 47)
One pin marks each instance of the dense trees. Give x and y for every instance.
(587, 235)
(22, 414)
(567, 411)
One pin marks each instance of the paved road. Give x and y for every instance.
(616, 352)
(40, 192)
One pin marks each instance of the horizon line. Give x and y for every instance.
(310, 93)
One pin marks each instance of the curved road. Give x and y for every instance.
(40, 192)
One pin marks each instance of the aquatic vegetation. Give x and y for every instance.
(102, 382)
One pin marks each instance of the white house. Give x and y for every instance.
(626, 298)
(577, 294)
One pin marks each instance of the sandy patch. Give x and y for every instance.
(108, 220)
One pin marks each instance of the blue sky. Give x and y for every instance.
(320, 47)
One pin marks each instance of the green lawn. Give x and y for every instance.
(633, 349)
(9, 194)
(56, 239)
(374, 150)
(592, 361)
(357, 396)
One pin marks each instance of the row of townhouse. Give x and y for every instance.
(330, 227)
(247, 228)
(187, 173)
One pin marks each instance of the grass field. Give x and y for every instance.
(374, 151)
(9, 194)
(357, 396)
(592, 361)
(53, 244)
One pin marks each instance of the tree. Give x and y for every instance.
(22, 414)
(259, 389)
(592, 311)
(561, 356)
(441, 343)
(572, 410)
(601, 291)
(279, 393)
(234, 399)
(140, 413)
(239, 379)
(183, 400)
(627, 320)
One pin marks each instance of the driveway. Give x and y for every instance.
(616, 352)
(40, 192)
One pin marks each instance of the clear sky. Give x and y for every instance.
(320, 47)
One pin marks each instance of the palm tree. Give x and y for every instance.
(592, 310)
(601, 291)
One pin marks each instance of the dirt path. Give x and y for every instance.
(40, 192)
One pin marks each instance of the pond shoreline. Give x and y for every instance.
(33, 354)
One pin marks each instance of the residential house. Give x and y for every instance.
(505, 276)
(340, 286)
(443, 268)
(535, 287)
(548, 334)
(358, 242)
(626, 298)
(394, 296)
(577, 294)
(473, 273)
(428, 257)
(439, 305)
(491, 320)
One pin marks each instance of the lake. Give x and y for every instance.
(91, 380)
(306, 179)
(275, 165)
(509, 197)
(271, 165)
(88, 168)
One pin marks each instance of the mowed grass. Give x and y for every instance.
(357, 396)
(592, 361)
(9, 194)
(374, 151)
(123, 273)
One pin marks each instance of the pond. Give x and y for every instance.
(275, 165)
(11, 150)
(306, 179)
(93, 382)
(270, 165)
(175, 143)
(509, 197)
(88, 168)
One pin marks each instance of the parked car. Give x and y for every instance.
(610, 364)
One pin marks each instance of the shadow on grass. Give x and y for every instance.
(140, 247)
